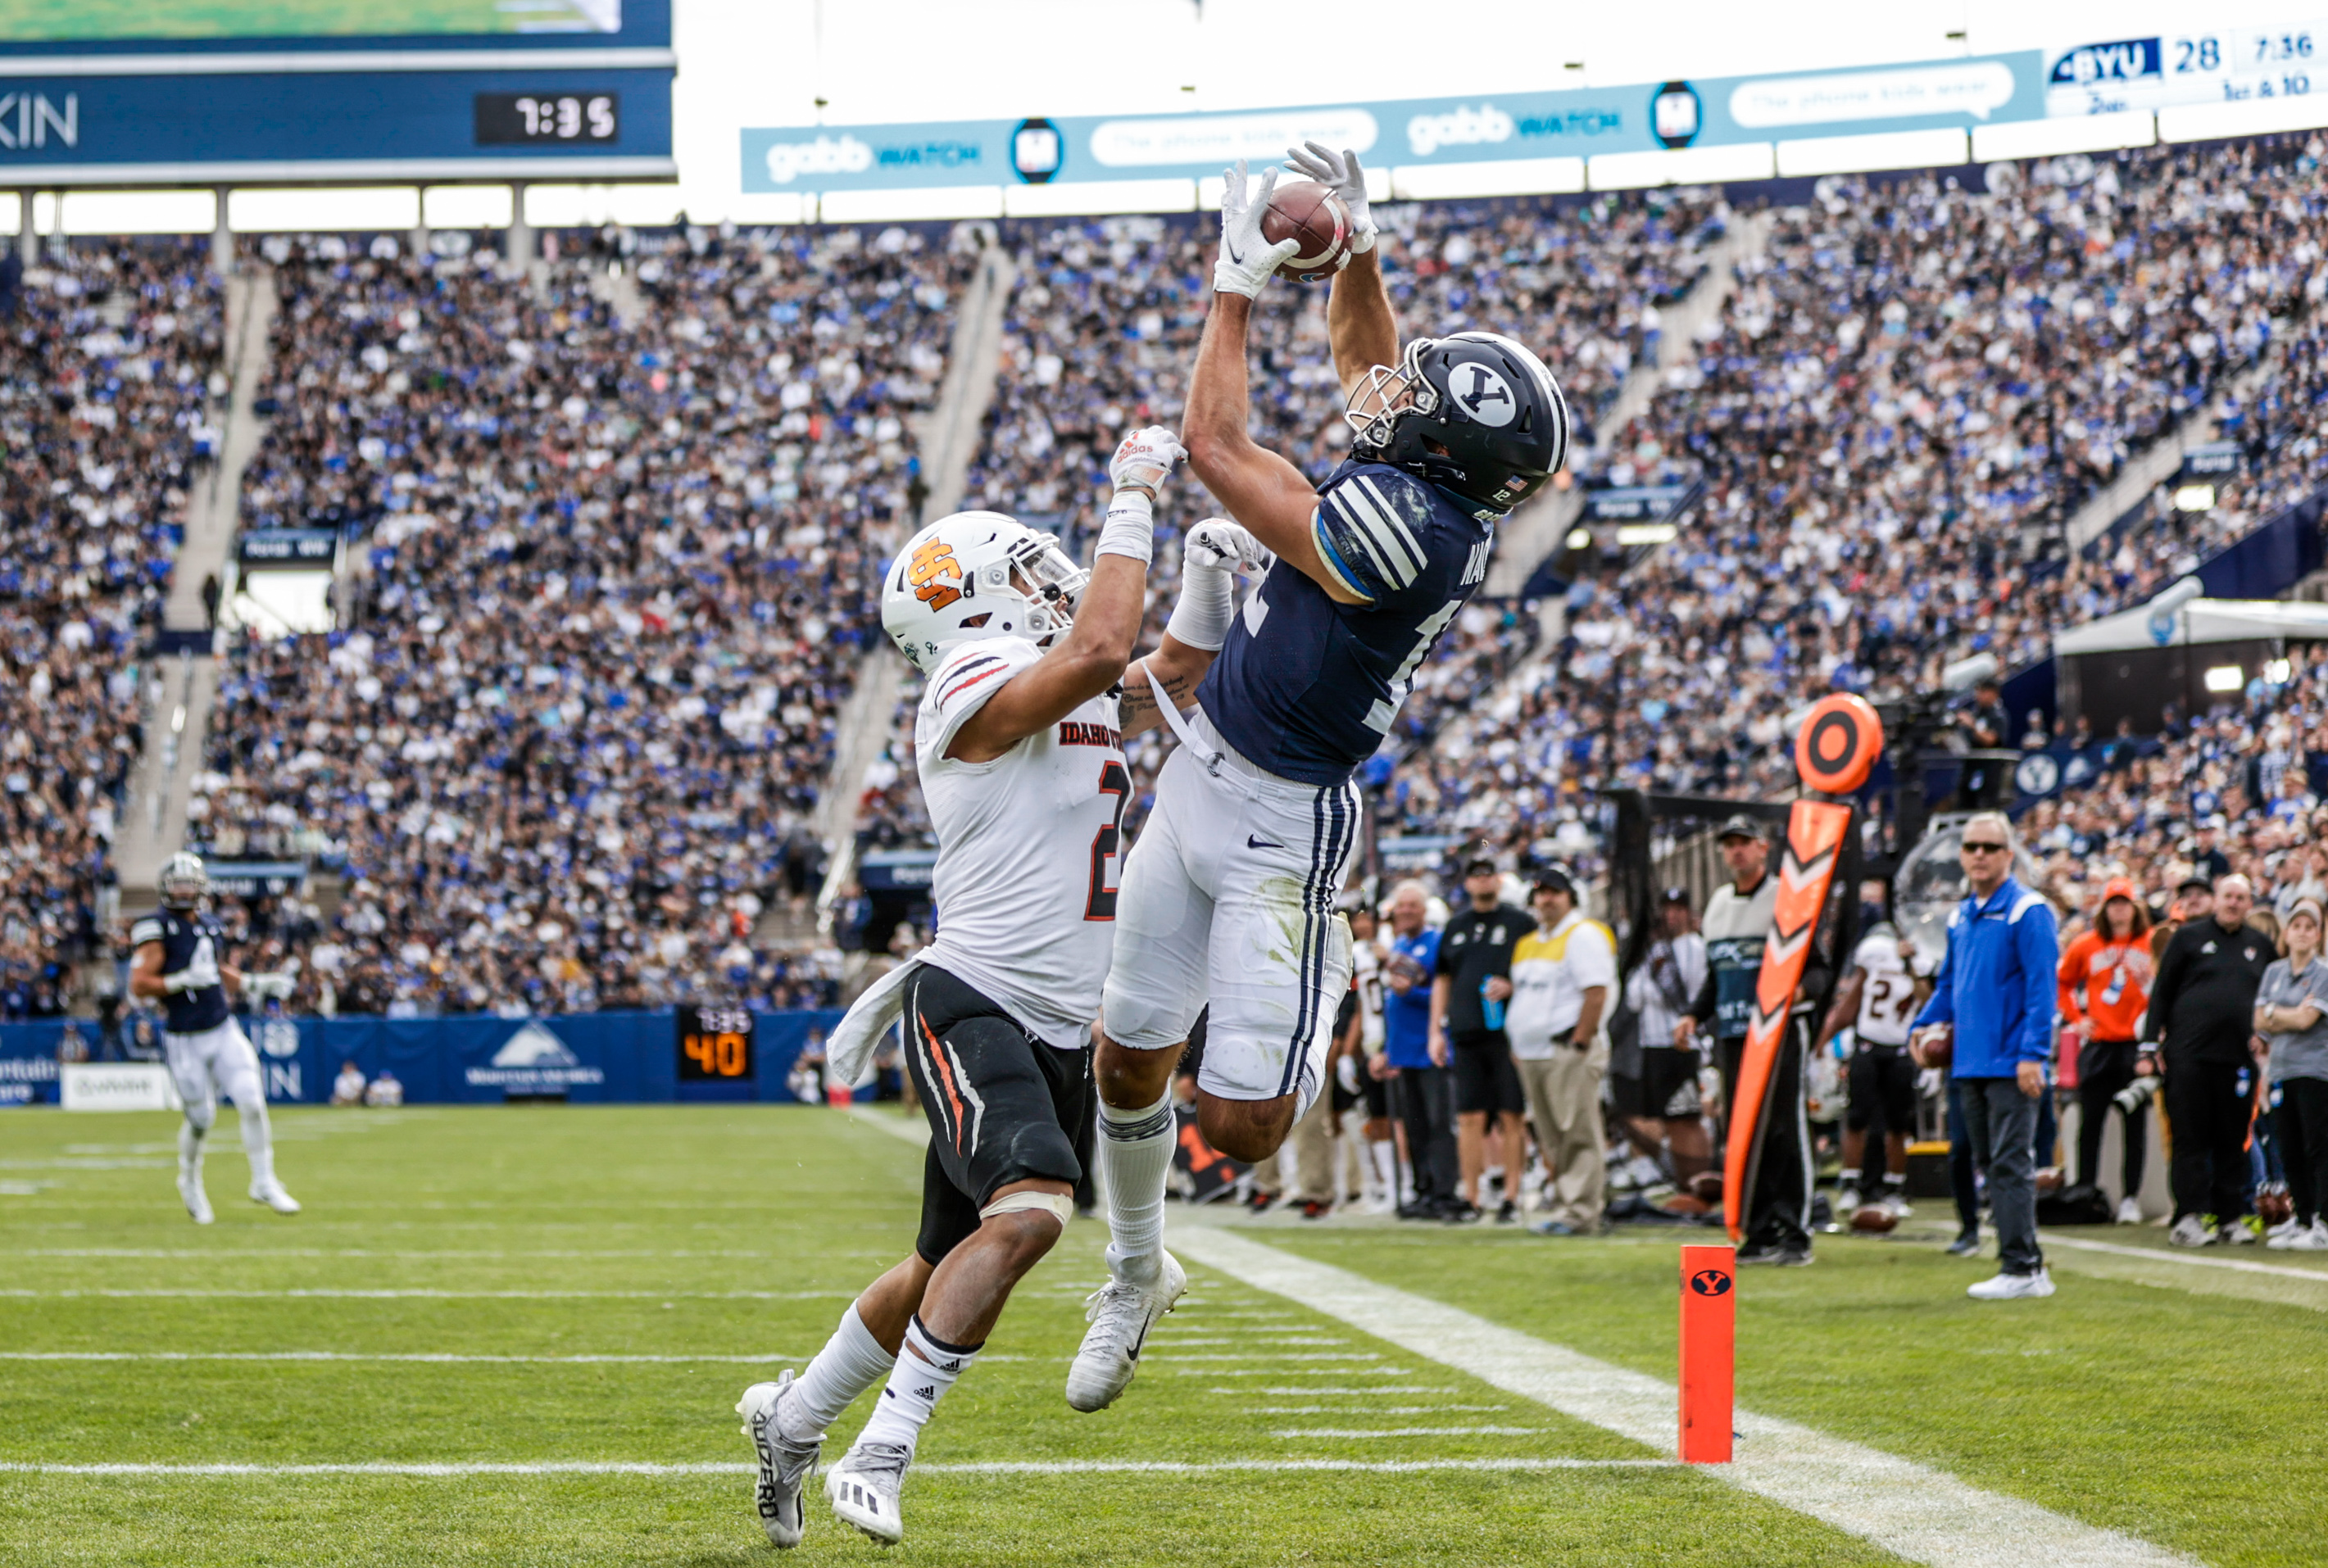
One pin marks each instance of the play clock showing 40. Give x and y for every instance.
(511, 119)
(715, 1045)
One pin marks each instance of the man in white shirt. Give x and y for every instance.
(1563, 975)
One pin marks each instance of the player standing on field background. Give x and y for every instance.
(179, 957)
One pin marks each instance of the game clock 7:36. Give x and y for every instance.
(513, 119)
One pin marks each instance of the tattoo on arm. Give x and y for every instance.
(1139, 700)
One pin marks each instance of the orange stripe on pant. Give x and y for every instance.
(945, 1080)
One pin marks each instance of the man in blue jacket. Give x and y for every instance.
(1995, 989)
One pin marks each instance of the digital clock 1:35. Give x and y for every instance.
(509, 120)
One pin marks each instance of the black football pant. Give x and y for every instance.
(2208, 1116)
(1779, 1215)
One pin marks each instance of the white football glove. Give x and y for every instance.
(198, 975)
(1247, 261)
(1223, 546)
(1339, 173)
(1144, 460)
(263, 987)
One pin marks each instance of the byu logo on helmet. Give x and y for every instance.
(1486, 396)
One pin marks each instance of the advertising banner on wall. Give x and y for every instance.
(1579, 122)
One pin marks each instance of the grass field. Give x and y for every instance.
(31, 20)
(614, 1276)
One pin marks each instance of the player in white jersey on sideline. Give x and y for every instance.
(1229, 896)
(179, 958)
(1879, 996)
(1019, 745)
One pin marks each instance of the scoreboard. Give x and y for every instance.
(130, 92)
(715, 1045)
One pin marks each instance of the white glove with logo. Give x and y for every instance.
(1247, 261)
(201, 974)
(262, 987)
(1141, 465)
(1223, 546)
(1144, 460)
(1339, 173)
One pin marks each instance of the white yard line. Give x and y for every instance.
(2160, 1255)
(337, 1295)
(914, 1132)
(203, 1254)
(1346, 1392)
(988, 1467)
(1270, 1357)
(772, 1359)
(1921, 1514)
(1406, 1431)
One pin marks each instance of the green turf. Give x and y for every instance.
(2189, 1419)
(668, 1214)
(26, 20)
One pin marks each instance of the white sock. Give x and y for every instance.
(851, 1362)
(189, 1152)
(1135, 1154)
(257, 1145)
(1385, 1158)
(927, 1368)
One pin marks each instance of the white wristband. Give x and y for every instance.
(1130, 529)
(1207, 600)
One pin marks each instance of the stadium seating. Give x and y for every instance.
(107, 364)
(617, 584)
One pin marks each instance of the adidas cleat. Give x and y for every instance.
(273, 1195)
(1120, 1314)
(197, 1201)
(863, 1489)
(784, 1465)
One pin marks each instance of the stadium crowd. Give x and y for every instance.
(616, 582)
(109, 366)
(1904, 398)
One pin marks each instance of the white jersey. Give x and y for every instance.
(1029, 846)
(1887, 997)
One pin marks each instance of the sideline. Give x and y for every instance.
(1921, 1514)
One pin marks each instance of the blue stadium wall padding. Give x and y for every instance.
(610, 1057)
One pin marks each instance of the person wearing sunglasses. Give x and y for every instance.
(1994, 994)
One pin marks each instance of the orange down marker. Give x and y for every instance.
(1709, 1325)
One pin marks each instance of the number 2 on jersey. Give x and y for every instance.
(1115, 780)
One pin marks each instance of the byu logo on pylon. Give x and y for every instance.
(1710, 1283)
(1487, 398)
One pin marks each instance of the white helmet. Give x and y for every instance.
(954, 581)
(182, 882)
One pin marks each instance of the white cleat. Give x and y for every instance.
(2013, 1288)
(1120, 1314)
(863, 1489)
(2129, 1211)
(198, 1202)
(784, 1465)
(273, 1195)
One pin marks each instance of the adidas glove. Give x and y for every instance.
(1247, 261)
(1339, 173)
(1214, 551)
(1223, 545)
(1138, 468)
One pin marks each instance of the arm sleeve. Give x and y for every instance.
(2065, 977)
(148, 929)
(2040, 958)
(964, 680)
(1941, 1006)
(1371, 529)
(2162, 995)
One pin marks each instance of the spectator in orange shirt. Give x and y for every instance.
(2105, 986)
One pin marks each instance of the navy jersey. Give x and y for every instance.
(182, 934)
(1307, 687)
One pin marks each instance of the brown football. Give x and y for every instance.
(1873, 1220)
(1314, 217)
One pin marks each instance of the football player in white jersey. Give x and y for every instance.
(1879, 996)
(179, 959)
(1019, 744)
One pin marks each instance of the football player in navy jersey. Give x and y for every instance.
(179, 958)
(1228, 897)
